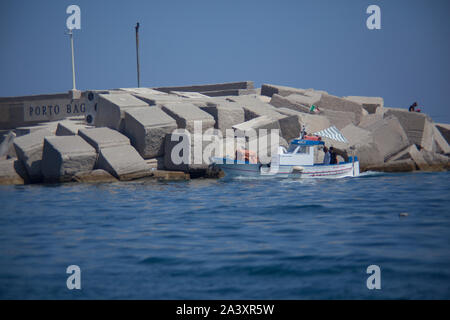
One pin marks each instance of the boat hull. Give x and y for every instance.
(245, 169)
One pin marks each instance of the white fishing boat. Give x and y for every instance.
(295, 162)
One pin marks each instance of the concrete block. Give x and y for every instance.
(12, 172)
(388, 136)
(339, 119)
(103, 137)
(92, 99)
(94, 176)
(370, 104)
(436, 162)
(230, 92)
(49, 126)
(111, 109)
(425, 160)
(29, 151)
(290, 127)
(123, 162)
(69, 128)
(147, 128)
(155, 99)
(144, 91)
(7, 145)
(313, 123)
(442, 146)
(254, 107)
(295, 102)
(412, 122)
(364, 147)
(270, 89)
(444, 129)
(413, 153)
(340, 104)
(64, 156)
(253, 126)
(226, 114)
(204, 88)
(190, 95)
(186, 113)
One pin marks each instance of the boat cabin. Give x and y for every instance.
(300, 151)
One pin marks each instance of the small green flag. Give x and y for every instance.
(312, 108)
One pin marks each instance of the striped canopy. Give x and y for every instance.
(332, 133)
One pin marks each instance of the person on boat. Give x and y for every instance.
(327, 157)
(333, 156)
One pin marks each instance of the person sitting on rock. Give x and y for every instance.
(327, 157)
(333, 156)
(413, 107)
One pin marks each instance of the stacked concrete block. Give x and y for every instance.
(123, 162)
(147, 128)
(158, 99)
(231, 92)
(190, 95)
(412, 122)
(313, 123)
(441, 143)
(111, 109)
(370, 104)
(226, 114)
(436, 162)
(207, 89)
(295, 102)
(363, 145)
(339, 119)
(340, 104)
(64, 156)
(185, 114)
(29, 151)
(92, 100)
(69, 128)
(103, 137)
(290, 127)
(388, 136)
(49, 126)
(413, 153)
(269, 90)
(254, 107)
(444, 129)
(12, 172)
(253, 127)
(423, 159)
(144, 91)
(7, 145)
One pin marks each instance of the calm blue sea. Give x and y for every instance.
(236, 239)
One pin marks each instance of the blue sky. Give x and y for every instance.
(321, 44)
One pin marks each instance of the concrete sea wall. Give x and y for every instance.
(128, 133)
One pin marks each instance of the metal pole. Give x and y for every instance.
(73, 60)
(137, 55)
